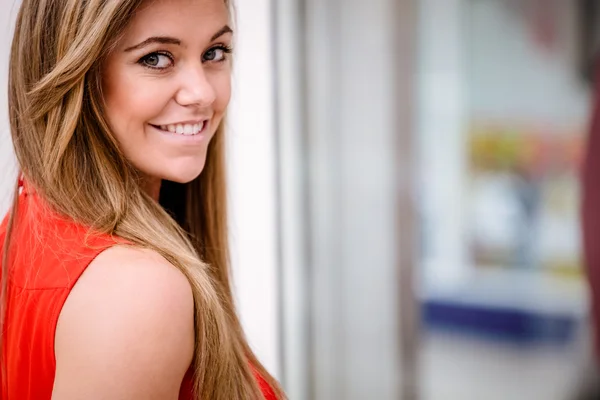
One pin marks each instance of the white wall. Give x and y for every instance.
(7, 160)
(252, 174)
(252, 180)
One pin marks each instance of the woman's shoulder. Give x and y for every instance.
(135, 264)
(130, 320)
(125, 276)
(128, 266)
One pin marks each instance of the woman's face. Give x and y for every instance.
(167, 84)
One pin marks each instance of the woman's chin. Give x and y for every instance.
(178, 170)
(184, 176)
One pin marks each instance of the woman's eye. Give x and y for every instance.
(157, 61)
(216, 54)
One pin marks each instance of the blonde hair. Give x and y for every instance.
(66, 151)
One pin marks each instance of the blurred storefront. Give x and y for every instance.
(503, 117)
(429, 155)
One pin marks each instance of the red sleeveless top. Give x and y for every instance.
(48, 254)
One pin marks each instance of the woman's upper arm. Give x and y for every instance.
(126, 330)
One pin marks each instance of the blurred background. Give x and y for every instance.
(406, 195)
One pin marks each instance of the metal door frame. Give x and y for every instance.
(347, 238)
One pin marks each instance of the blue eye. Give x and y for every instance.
(217, 54)
(156, 61)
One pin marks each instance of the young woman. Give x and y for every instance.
(115, 280)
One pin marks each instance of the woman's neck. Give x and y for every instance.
(152, 187)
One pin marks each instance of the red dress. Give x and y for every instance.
(48, 254)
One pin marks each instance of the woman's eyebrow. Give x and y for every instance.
(171, 40)
(221, 32)
(154, 39)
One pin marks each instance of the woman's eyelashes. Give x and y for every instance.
(217, 53)
(157, 60)
(162, 60)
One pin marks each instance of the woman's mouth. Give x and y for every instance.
(186, 129)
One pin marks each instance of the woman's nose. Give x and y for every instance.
(196, 88)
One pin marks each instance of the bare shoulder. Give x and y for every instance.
(126, 329)
(121, 267)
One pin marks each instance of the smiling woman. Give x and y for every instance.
(166, 90)
(115, 271)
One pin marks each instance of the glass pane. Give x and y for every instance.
(503, 116)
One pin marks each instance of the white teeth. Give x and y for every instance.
(184, 129)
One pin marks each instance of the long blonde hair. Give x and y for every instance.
(66, 151)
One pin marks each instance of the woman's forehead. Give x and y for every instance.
(178, 18)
